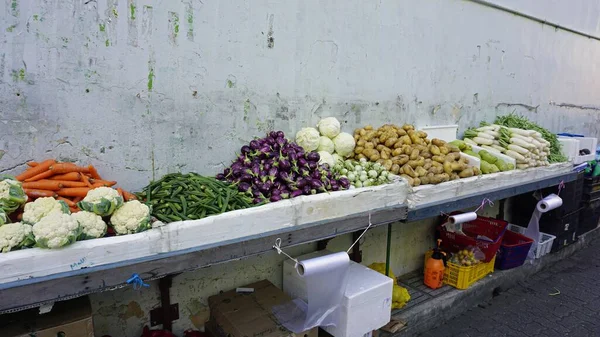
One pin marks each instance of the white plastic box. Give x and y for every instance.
(544, 242)
(570, 149)
(446, 133)
(367, 303)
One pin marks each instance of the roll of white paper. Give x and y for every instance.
(549, 203)
(326, 285)
(462, 218)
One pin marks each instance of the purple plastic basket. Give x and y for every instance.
(513, 251)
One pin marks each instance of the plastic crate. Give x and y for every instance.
(563, 225)
(513, 251)
(564, 240)
(488, 227)
(463, 277)
(544, 244)
(589, 217)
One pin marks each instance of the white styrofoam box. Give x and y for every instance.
(473, 161)
(503, 157)
(569, 147)
(446, 133)
(367, 303)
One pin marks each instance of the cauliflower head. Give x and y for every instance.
(132, 217)
(308, 138)
(12, 195)
(329, 127)
(3, 217)
(15, 236)
(102, 201)
(92, 225)
(42, 207)
(56, 230)
(344, 144)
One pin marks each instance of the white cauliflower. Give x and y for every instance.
(132, 217)
(56, 230)
(41, 207)
(102, 201)
(14, 236)
(308, 138)
(3, 217)
(12, 195)
(329, 127)
(92, 225)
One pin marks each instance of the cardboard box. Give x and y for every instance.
(73, 318)
(367, 303)
(250, 315)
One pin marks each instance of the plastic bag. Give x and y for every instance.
(467, 257)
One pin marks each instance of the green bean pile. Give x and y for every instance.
(177, 197)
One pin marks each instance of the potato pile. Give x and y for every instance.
(408, 153)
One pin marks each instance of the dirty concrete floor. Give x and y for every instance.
(563, 300)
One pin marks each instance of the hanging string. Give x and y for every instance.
(483, 202)
(363, 233)
(137, 282)
(561, 186)
(277, 247)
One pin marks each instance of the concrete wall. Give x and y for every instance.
(140, 88)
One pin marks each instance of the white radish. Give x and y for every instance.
(522, 166)
(494, 134)
(525, 133)
(499, 148)
(485, 135)
(517, 149)
(490, 148)
(483, 141)
(486, 128)
(522, 143)
(515, 155)
(470, 142)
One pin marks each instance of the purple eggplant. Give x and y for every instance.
(256, 169)
(284, 195)
(285, 165)
(255, 144)
(293, 157)
(246, 177)
(243, 187)
(266, 187)
(273, 134)
(302, 182)
(302, 162)
(275, 198)
(246, 149)
(304, 172)
(345, 183)
(313, 156)
(296, 193)
(306, 190)
(258, 200)
(317, 184)
(275, 192)
(280, 134)
(316, 174)
(335, 188)
(220, 176)
(312, 165)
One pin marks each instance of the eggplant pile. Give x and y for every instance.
(273, 169)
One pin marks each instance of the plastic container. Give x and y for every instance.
(560, 226)
(513, 251)
(505, 158)
(588, 143)
(483, 227)
(446, 133)
(564, 240)
(589, 217)
(544, 244)
(463, 277)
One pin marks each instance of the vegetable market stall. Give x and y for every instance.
(300, 220)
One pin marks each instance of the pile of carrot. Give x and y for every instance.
(64, 181)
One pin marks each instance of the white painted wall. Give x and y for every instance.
(180, 85)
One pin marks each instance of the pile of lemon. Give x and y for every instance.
(400, 294)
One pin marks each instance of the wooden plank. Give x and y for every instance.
(20, 295)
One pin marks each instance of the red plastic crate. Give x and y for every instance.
(488, 227)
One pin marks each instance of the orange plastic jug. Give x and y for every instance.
(434, 268)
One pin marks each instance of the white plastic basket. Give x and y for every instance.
(544, 244)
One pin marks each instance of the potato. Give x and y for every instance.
(438, 142)
(416, 163)
(407, 149)
(463, 160)
(439, 159)
(369, 135)
(408, 179)
(380, 147)
(437, 164)
(448, 167)
(406, 140)
(407, 127)
(401, 132)
(359, 149)
(422, 134)
(476, 171)
(452, 148)
(360, 156)
(369, 127)
(436, 179)
(436, 170)
(380, 161)
(362, 132)
(391, 141)
(409, 170)
(421, 171)
(356, 138)
(417, 181)
(420, 147)
(369, 145)
(374, 157)
(424, 180)
(403, 159)
(387, 164)
(375, 141)
(426, 154)
(357, 131)
(466, 173)
(444, 150)
(414, 154)
(452, 156)
(397, 152)
(395, 169)
(388, 150)
(454, 176)
(360, 143)
(434, 150)
(430, 174)
(384, 155)
(446, 177)
(398, 144)
(427, 165)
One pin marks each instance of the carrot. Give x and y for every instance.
(66, 183)
(120, 192)
(77, 199)
(73, 192)
(72, 176)
(43, 175)
(93, 172)
(50, 185)
(33, 164)
(74, 209)
(101, 182)
(40, 168)
(129, 196)
(86, 180)
(69, 202)
(67, 168)
(39, 193)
